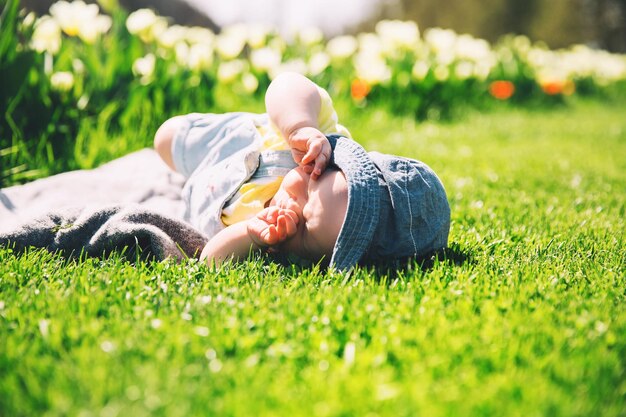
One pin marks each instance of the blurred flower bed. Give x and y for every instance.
(84, 67)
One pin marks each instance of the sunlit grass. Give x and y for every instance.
(527, 316)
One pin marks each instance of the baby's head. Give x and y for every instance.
(365, 208)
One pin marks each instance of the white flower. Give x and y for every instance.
(230, 43)
(310, 36)
(78, 66)
(70, 16)
(277, 43)
(29, 19)
(442, 73)
(341, 47)
(420, 70)
(472, 49)
(610, 68)
(140, 20)
(582, 61)
(482, 70)
(538, 57)
(145, 24)
(396, 34)
(257, 35)
(144, 67)
(318, 63)
(171, 36)
(371, 68)
(265, 59)
(370, 43)
(440, 40)
(181, 52)
(522, 43)
(47, 36)
(228, 71)
(249, 82)
(200, 35)
(90, 32)
(294, 65)
(62, 81)
(200, 57)
(464, 70)
(80, 19)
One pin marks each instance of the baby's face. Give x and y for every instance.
(321, 208)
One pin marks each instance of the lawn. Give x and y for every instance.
(525, 316)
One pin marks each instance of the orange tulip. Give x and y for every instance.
(502, 90)
(359, 89)
(553, 88)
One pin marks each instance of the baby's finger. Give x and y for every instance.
(291, 215)
(320, 165)
(308, 169)
(272, 235)
(313, 151)
(286, 227)
(297, 155)
(268, 214)
(290, 226)
(271, 216)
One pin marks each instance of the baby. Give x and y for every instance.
(293, 181)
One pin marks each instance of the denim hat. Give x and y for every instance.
(397, 207)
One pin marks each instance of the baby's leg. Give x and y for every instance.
(163, 139)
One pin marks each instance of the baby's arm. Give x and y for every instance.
(293, 104)
(270, 227)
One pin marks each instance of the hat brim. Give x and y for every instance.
(363, 208)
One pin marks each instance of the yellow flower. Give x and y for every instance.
(47, 36)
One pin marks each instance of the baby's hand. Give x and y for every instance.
(272, 225)
(310, 149)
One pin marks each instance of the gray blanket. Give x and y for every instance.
(131, 205)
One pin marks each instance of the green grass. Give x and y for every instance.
(526, 318)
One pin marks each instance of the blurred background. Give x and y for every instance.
(559, 23)
(102, 77)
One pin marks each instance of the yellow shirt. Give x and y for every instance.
(252, 196)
